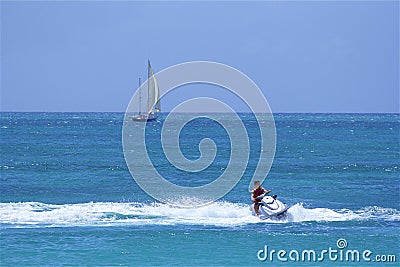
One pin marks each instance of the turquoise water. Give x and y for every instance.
(67, 197)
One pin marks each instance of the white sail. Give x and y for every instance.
(153, 103)
(157, 96)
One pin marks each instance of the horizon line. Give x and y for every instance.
(216, 112)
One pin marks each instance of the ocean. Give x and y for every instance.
(68, 198)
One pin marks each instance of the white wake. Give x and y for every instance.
(35, 214)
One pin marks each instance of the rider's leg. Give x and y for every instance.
(256, 208)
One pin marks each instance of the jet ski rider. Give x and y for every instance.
(258, 191)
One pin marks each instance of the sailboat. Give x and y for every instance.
(153, 101)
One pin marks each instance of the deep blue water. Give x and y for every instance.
(67, 197)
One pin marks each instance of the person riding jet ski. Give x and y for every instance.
(265, 206)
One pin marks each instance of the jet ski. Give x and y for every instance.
(270, 207)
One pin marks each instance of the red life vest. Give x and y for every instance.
(258, 192)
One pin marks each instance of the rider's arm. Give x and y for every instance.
(252, 197)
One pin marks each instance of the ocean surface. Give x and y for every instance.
(67, 197)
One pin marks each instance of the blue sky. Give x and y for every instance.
(306, 56)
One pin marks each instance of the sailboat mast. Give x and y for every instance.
(150, 94)
(140, 98)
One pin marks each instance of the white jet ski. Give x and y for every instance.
(270, 207)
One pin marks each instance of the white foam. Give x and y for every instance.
(35, 214)
(298, 213)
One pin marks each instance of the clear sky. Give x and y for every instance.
(306, 56)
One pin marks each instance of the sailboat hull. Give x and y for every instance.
(144, 118)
